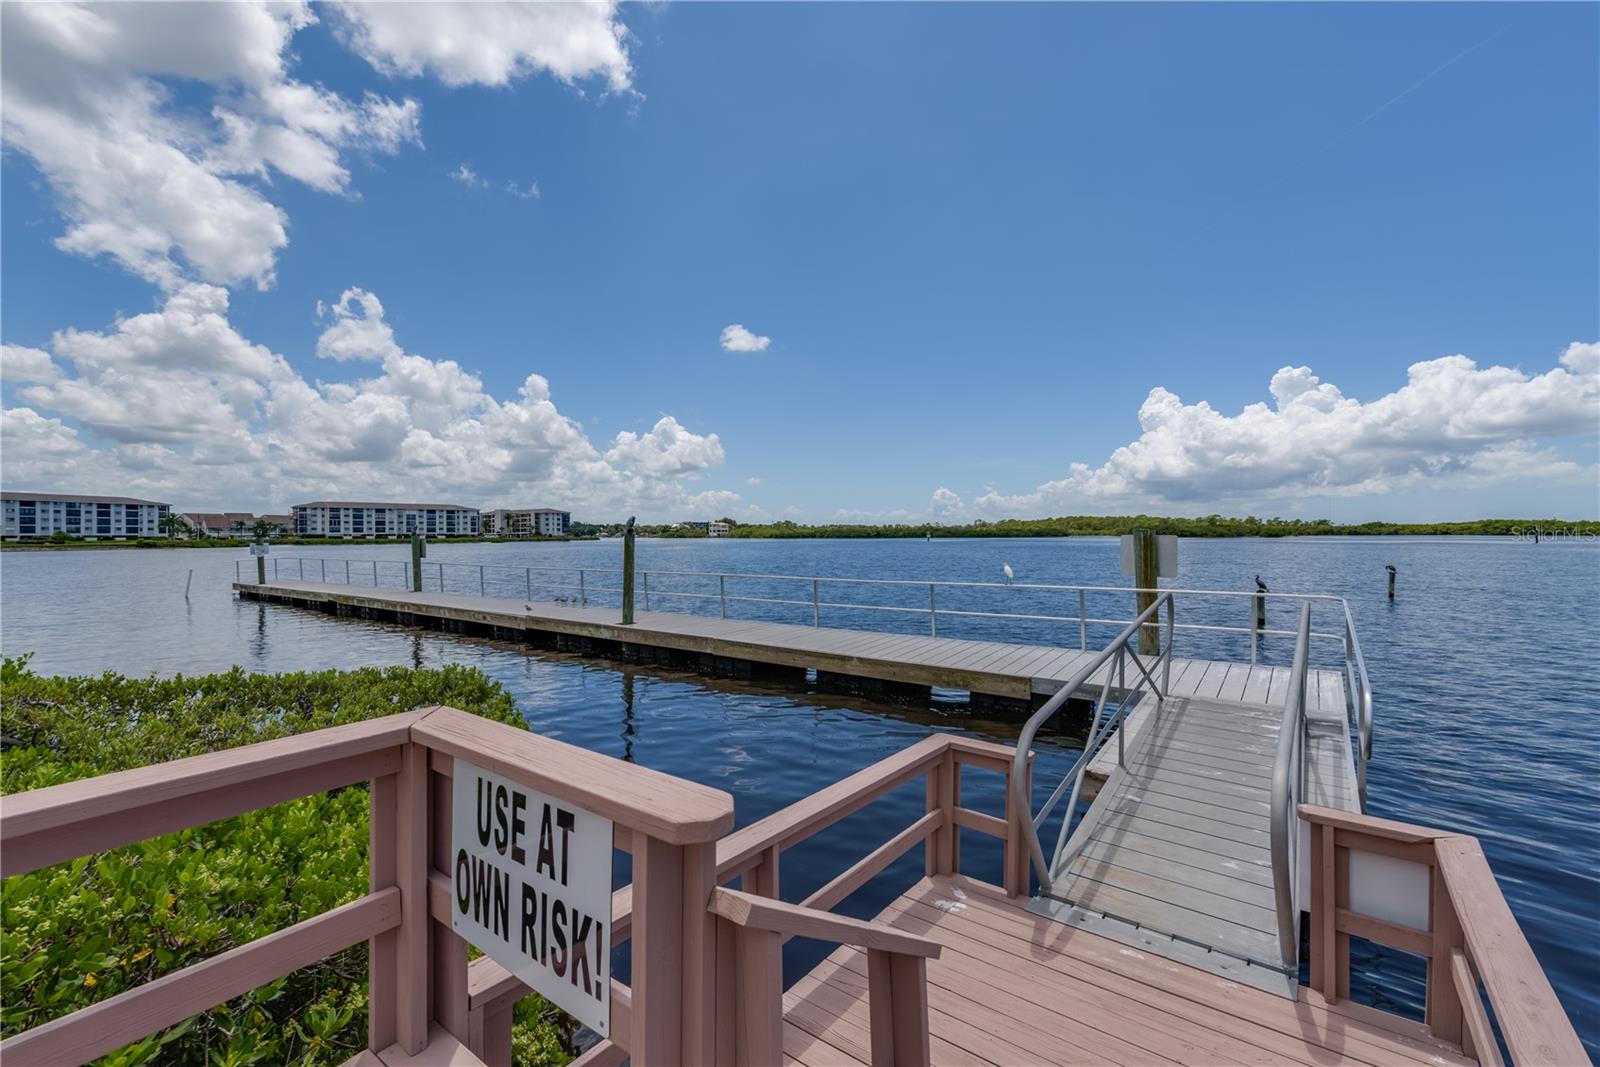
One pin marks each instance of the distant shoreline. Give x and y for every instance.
(1067, 527)
(1115, 525)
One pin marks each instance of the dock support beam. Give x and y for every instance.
(627, 575)
(1145, 577)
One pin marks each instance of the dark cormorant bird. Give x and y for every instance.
(1390, 568)
(1261, 586)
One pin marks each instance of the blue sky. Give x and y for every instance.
(987, 243)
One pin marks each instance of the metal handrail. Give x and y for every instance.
(1358, 702)
(1358, 688)
(1116, 654)
(1288, 787)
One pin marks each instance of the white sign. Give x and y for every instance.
(1166, 555)
(531, 889)
(258, 550)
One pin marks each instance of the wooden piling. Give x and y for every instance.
(1261, 612)
(261, 570)
(1145, 577)
(627, 574)
(1391, 581)
(418, 550)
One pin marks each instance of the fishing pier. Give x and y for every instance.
(1155, 904)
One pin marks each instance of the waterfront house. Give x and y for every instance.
(35, 515)
(526, 522)
(717, 529)
(235, 523)
(357, 518)
(219, 523)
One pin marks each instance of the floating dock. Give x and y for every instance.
(1018, 673)
(1173, 855)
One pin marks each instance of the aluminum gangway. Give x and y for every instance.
(1190, 848)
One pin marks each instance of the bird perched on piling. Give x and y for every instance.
(1390, 568)
(1261, 587)
(1006, 567)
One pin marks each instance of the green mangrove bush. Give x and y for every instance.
(82, 931)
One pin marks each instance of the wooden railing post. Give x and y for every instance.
(383, 951)
(897, 1006)
(412, 1008)
(940, 850)
(758, 1001)
(1443, 1011)
(658, 911)
(449, 952)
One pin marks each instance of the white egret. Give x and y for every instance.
(1006, 567)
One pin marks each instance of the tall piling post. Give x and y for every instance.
(261, 564)
(418, 549)
(627, 574)
(1390, 568)
(1261, 611)
(1145, 577)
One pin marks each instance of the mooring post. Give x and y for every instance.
(627, 574)
(261, 566)
(1390, 568)
(1261, 612)
(418, 550)
(1145, 578)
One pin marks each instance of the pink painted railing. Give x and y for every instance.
(706, 974)
(418, 988)
(747, 959)
(1459, 922)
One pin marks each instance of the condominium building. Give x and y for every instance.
(527, 522)
(717, 528)
(79, 515)
(361, 518)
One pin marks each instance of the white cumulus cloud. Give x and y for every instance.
(358, 330)
(152, 183)
(667, 448)
(736, 338)
(1453, 424)
(490, 43)
(177, 404)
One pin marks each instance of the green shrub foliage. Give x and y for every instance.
(79, 932)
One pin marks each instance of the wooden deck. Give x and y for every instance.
(954, 971)
(1011, 987)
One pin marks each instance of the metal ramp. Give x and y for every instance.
(1190, 848)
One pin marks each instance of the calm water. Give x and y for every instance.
(1486, 671)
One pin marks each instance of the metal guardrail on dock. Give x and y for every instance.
(727, 590)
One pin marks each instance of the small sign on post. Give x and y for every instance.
(258, 550)
(1166, 556)
(531, 889)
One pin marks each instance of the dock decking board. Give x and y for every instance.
(1011, 987)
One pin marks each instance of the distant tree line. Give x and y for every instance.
(1204, 526)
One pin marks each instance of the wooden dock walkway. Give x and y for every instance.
(1017, 672)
